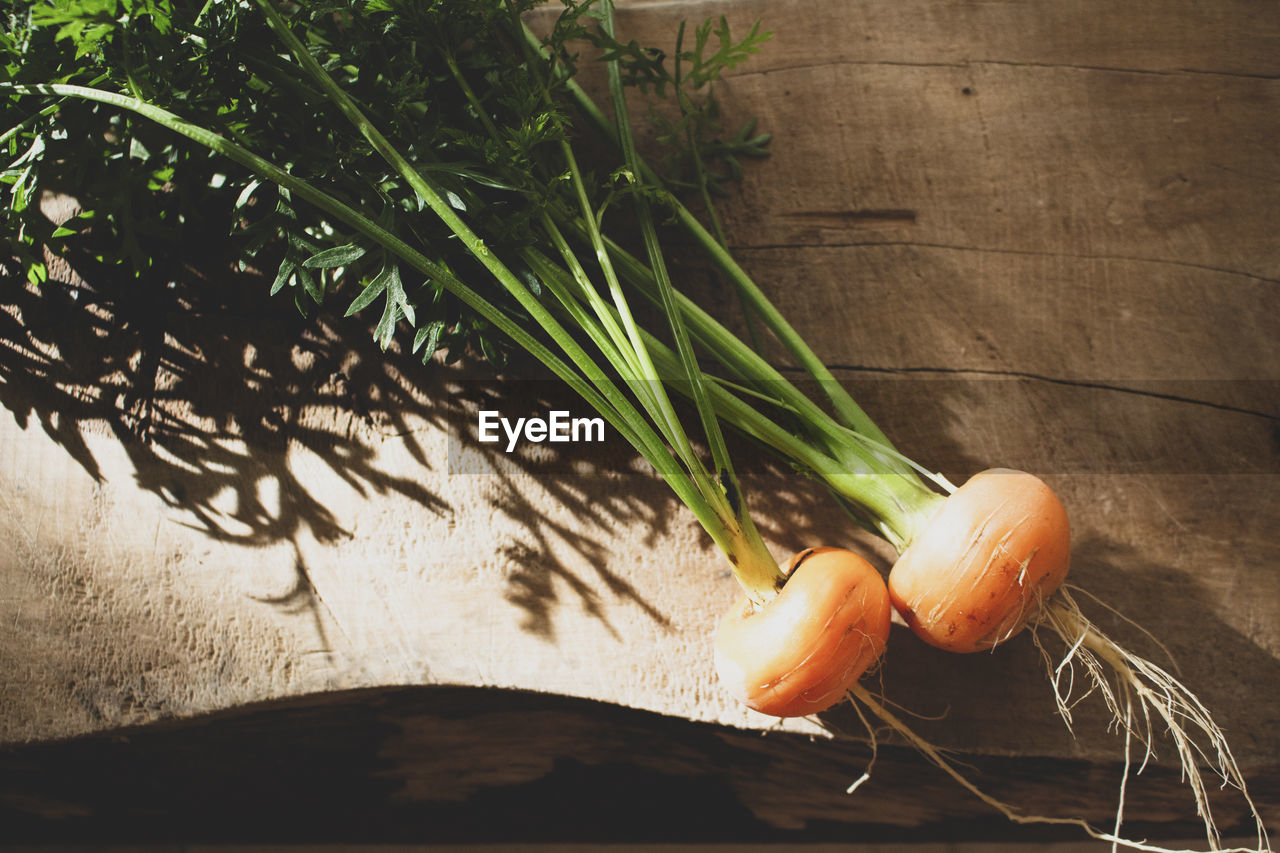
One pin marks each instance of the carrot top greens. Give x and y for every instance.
(221, 67)
(419, 161)
(415, 157)
(447, 82)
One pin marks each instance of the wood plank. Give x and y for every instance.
(1028, 235)
(473, 766)
(1230, 38)
(922, 308)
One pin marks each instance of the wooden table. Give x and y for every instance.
(1035, 235)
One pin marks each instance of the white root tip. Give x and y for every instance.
(857, 783)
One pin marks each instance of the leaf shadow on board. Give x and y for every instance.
(209, 386)
(611, 507)
(214, 389)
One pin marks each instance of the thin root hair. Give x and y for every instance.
(859, 694)
(1071, 590)
(1122, 678)
(874, 743)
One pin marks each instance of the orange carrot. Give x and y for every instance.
(980, 569)
(800, 652)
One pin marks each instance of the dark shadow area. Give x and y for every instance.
(594, 486)
(206, 381)
(471, 765)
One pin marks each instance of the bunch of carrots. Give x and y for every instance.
(978, 563)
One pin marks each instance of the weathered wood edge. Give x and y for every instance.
(479, 765)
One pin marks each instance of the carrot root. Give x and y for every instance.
(1140, 695)
(860, 695)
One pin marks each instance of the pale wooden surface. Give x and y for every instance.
(1025, 234)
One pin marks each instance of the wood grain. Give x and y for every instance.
(1040, 235)
(466, 765)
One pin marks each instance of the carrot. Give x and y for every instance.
(991, 554)
(801, 652)
(943, 571)
(989, 562)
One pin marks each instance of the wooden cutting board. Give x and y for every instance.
(1026, 235)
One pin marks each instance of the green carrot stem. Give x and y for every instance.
(700, 173)
(867, 471)
(609, 320)
(898, 505)
(749, 364)
(651, 394)
(757, 554)
(850, 413)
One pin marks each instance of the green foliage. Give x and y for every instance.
(450, 82)
(698, 157)
(90, 24)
